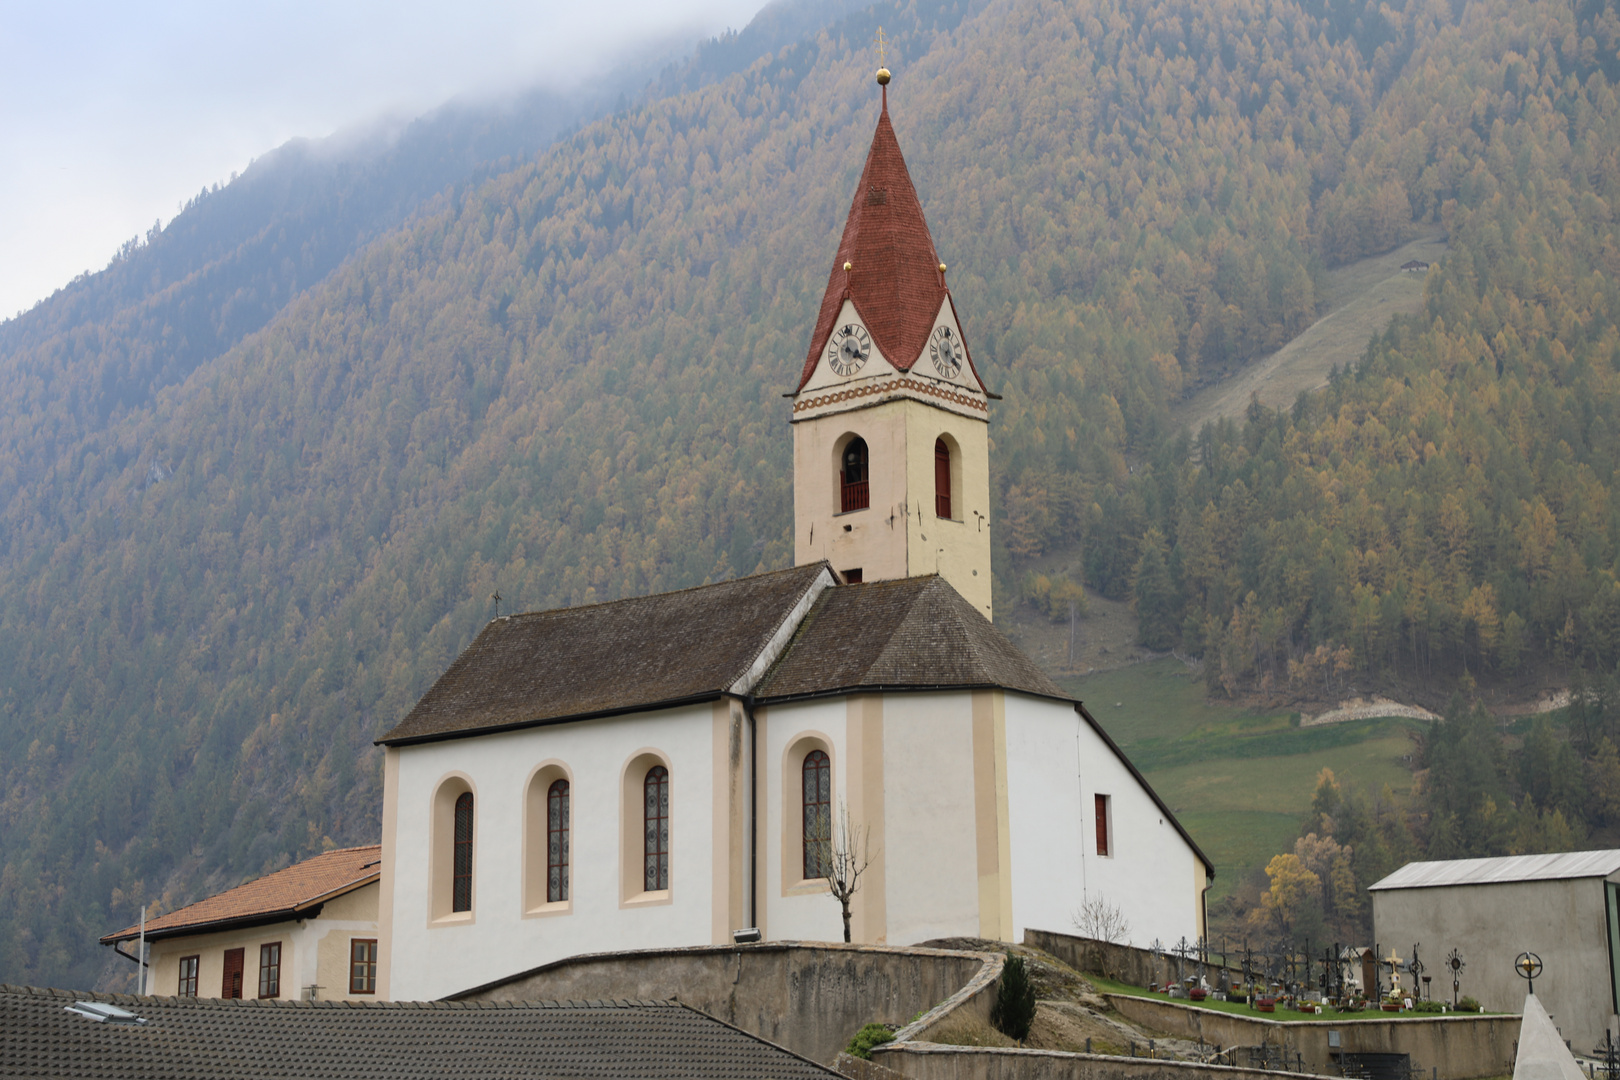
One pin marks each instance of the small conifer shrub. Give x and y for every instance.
(861, 1043)
(1014, 1010)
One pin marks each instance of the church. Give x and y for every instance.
(683, 769)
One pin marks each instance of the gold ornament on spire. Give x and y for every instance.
(882, 48)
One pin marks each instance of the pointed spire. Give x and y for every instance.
(894, 275)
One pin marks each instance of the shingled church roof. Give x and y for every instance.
(895, 282)
(642, 653)
(268, 1040)
(913, 633)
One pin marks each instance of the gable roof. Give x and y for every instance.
(292, 893)
(269, 1040)
(1553, 867)
(628, 655)
(914, 633)
(895, 283)
(918, 634)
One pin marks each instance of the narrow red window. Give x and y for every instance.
(270, 970)
(188, 975)
(557, 842)
(1101, 802)
(461, 879)
(235, 962)
(855, 493)
(942, 479)
(656, 847)
(817, 815)
(362, 965)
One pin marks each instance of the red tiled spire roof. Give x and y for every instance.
(896, 283)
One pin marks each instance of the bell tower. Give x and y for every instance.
(891, 454)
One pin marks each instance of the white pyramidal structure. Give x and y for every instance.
(1542, 1054)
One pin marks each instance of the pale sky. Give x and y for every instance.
(113, 114)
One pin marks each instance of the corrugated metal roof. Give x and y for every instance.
(1554, 867)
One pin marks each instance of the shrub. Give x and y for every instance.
(1428, 1006)
(869, 1036)
(1014, 1010)
(1468, 1004)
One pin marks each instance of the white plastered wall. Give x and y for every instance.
(429, 961)
(1058, 764)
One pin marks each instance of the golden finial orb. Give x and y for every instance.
(942, 268)
(848, 267)
(883, 76)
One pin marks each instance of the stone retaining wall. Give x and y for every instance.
(1452, 1047)
(930, 1061)
(809, 998)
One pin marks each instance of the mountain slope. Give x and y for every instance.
(564, 384)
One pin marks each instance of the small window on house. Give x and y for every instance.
(270, 970)
(855, 493)
(817, 815)
(852, 577)
(362, 965)
(1105, 824)
(235, 963)
(188, 976)
(557, 842)
(942, 479)
(656, 819)
(461, 877)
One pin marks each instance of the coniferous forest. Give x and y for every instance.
(245, 520)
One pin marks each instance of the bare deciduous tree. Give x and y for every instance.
(1102, 921)
(846, 860)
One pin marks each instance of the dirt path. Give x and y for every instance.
(1362, 297)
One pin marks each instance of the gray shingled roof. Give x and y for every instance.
(640, 653)
(911, 633)
(260, 1040)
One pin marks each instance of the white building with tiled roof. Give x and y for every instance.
(673, 770)
(307, 931)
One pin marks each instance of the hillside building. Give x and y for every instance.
(309, 931)
(1563, 907)
(675, 769)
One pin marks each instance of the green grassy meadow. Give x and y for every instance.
(1239, 780)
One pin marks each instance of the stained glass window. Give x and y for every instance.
(817, 815)
(557, 842)
(656, 847)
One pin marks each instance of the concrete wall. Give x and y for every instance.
(1459, 1047)
(1122, 963)
(1564, 922)
(934, 1062)
(808, 998)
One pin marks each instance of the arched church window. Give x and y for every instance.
(461, 877)
(817, 815)
(942, 479)
(855, 493)
(656, 847)
(557, 842)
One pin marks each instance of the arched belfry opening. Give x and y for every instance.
(854, 487)
(942, 479)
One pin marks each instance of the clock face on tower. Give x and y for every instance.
(848, 348)
(945, 349)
